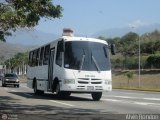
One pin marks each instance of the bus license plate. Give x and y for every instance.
(90, 87)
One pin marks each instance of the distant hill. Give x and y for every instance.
(8, 50)
(119, 32)
(30, 37)
(23, 40)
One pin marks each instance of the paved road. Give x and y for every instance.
(21, 103)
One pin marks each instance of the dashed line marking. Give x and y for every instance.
(6, 88)
(54, 101)
(125, 97)
(13, 90)
(131, 102)
(114, 100)
(156, 99)
(24, 86)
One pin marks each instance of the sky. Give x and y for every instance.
(86, 17)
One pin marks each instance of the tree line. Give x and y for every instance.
(127, 50)
(25, 14)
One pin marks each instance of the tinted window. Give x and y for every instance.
(86, 56)
(59, 53)
(37, 57)
(11, 75)
(30, 59)
(34, 58)
(46, 55)
(41, 56)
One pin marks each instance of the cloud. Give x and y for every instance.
(136, 24)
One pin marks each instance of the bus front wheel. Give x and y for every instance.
(96, 96)
(62, 94)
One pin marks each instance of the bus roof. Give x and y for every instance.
(71, 38)
(68, 38)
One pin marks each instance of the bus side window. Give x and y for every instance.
(34, 58)
(41, 56)
(46, 55)
(59, 54)
(30, 58)
(37, 57)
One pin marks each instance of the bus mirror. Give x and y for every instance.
(113, 49)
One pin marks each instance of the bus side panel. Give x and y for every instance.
(29, 83)
(29, 77)
(40, 73)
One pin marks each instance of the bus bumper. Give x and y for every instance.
(86, 88)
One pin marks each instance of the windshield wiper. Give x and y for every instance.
(82, 61)
(97, 66)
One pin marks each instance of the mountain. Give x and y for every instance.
(119, 32)
(8, 50)
(30, 37)
(23, 40)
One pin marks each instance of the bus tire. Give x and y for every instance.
(36, 91)
(57, 90)
(3, 85)
(96, 96)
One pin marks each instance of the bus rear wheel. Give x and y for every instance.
(36, 91)
(96, 96)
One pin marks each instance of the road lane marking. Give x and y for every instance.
(6, 89)
(156, 99)
(125, 97)
(132, 102)
(54, 101)
(142, 103)
(114, 100)
(24, 86)
(13, 90)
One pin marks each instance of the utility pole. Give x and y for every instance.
(139, 82)
(139, 59)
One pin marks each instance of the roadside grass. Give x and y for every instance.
(149, 80)
(23, 78)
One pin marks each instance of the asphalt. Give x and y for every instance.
(22, 104)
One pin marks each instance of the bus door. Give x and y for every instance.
(50, 68)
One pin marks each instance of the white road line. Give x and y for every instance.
(54, 101)
(6, 88)
(28, 94)
(142, 103)
(24, 86)
(146, 103)
(125, 97)
(131, 102)
(13, 90)
(114, 100)
(156, 99)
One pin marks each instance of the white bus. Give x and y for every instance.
(71, 64)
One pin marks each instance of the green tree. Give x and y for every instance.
(154, 60)
(129, 38)
(17, 60)
(25, 13)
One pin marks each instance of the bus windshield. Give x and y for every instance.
(88, 56)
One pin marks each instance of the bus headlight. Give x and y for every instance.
(6, 79)
(108, 82)
(17, 80)
(69, 81)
